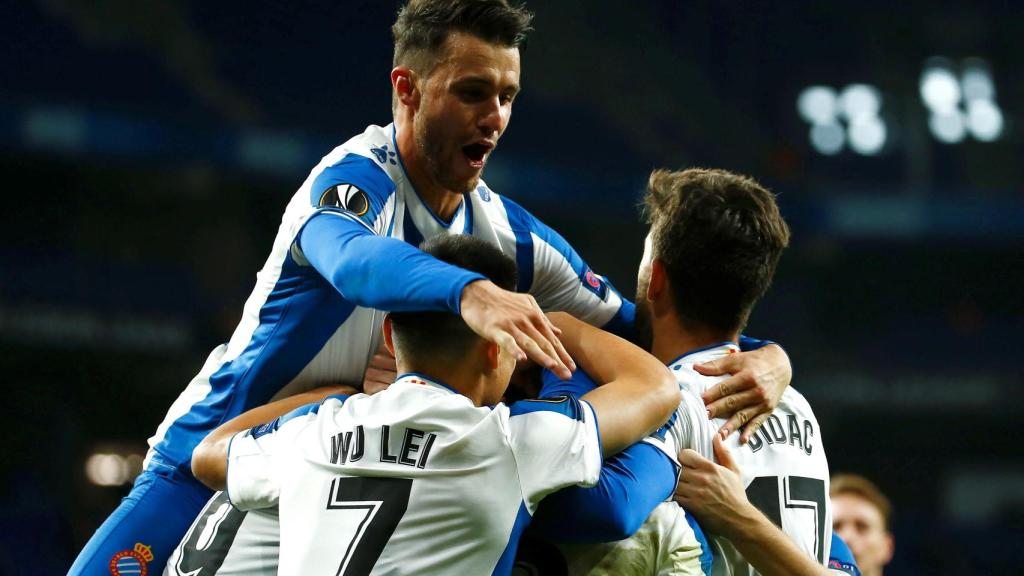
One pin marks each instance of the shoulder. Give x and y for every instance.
(360, 172)
(567, 406)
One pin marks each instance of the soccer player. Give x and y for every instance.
(861, 515)
(433, 475)
(345, 253)
(713, 246)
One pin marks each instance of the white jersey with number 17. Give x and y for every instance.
(412, 480)
(783, 468)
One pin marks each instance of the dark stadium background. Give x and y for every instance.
(148, 149)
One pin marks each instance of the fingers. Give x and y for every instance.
(509, 345)
(751, 428)
(728, 406)
(692, 459)
(732, 385)
(723, 455)
(737, 420)
(719, 366)
(548, 330)
(540, 349)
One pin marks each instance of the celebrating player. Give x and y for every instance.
(433, 475)
(345, 252)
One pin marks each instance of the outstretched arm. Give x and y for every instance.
(209, 459)
(388, 274)
(714, 495)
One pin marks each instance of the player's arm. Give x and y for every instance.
(757, 378)
(210, 457)
(388, 274)
(637, 393)
(714, 495)
(632, 483)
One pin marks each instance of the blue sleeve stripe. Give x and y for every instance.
(748, 344)
(623, 324)
(552, 386)
(566, 405)
(519, 219)
(358, 171)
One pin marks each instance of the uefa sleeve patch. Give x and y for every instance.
(346, 197)
(594, 283)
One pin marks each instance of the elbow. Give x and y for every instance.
(624, 524)
(209, 464)
(666, 395)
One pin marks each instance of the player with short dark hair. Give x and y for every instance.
(433, 475)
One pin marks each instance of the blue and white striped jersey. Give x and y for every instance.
(412, 480)
(342, 254)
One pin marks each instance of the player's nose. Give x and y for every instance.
(493, 117)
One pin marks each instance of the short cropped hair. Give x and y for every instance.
(423, 26)
(443, 334)
(720, 237)
(860, 486)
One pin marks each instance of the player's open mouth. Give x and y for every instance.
(477, 152)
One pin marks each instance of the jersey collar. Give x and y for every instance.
(424, 380)
(704, 354)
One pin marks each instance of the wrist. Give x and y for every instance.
(746, 524)
(471, 292)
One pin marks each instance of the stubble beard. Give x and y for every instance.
(432, 151)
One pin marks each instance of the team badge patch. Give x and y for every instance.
(595, 283)
(346, 196)
(134, 562)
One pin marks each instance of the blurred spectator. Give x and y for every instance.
(860, 515)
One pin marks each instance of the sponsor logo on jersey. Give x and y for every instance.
(842, 567)
(135, 561)
(595, 283)
(384, 156)
(346, 196)
(484, 193)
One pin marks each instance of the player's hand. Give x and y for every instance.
(381, 372)
(516, 323)
(713, 493)
(758, 379)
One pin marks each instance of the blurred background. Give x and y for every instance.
(148, 150)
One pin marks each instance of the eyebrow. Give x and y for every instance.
(485, 81)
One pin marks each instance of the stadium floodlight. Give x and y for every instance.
(977, 80)
(867, 135)
(106, 469)
(948, 127)
(940, 89)
(984, 120)
(817, 104)
(859, 101)
(828, 138)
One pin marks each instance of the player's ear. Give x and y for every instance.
(403, 81)
(493, 354)
(658, 284)
(386, 327)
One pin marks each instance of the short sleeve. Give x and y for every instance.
(556, 444)
(357, 185)
(255, 458)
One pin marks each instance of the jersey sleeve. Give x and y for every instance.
(555, 274)
(254, 458)
(556, 444)
(840, 559)
(357, 185)
(378, 272)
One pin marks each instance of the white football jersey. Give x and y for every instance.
(412, 480)
(783, 467)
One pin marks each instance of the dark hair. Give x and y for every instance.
(720, 236)
(443, 334)
(423, 26)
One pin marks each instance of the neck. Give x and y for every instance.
(464, 379)
(442, 201)
(673, 337)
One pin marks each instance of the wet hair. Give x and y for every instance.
(720, 236)
(422, 335)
